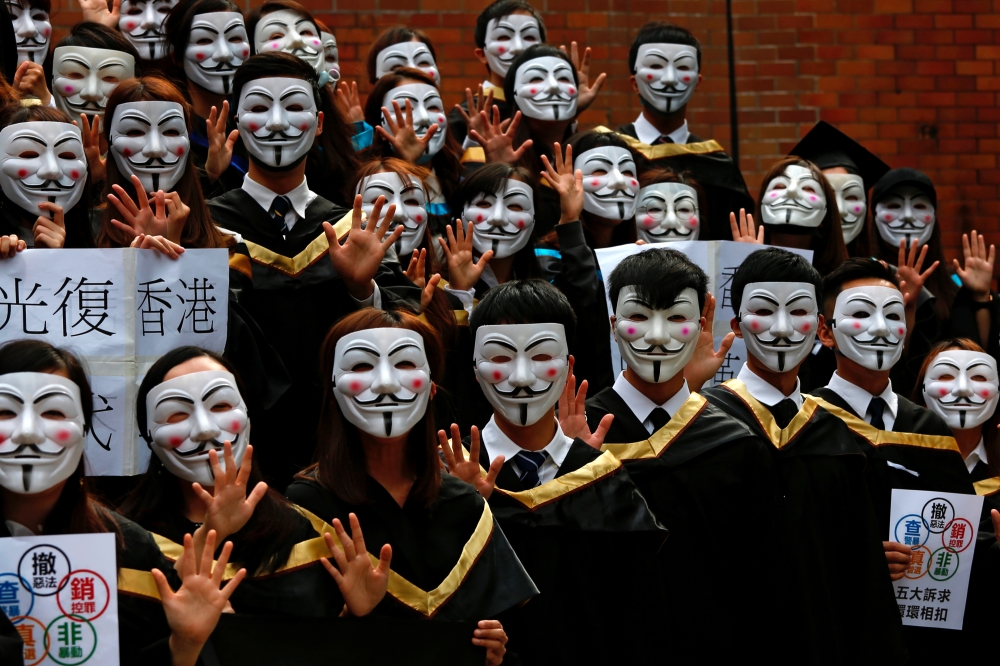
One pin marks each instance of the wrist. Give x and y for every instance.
(983, 297)
(360, 291)
(184, 651)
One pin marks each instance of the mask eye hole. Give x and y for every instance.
(629, 173)
(205, 41)
(406, 365)
(852, 197)
(541, 357)
(28, 155)
(978, 378)
(801, 313)
(6, 414)
(893, 317)
(779, 186)
(110, 79)
(258, 108)
(860, 314)
(171, 132)
(637, 317)
(362, 367)
(810, 189)
(763, 312)
(135, 132)
(276, 35)
(221, 407)
(483, 203)
(677, 318)
(76, 76)
(599, 172)
(517, 208)
(946, 378)
(54, 415)
(177, 417)
(893, 206)
(501, 359)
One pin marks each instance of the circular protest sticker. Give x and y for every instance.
(83, 594)
(943, 564)
(16, 596)
(958, 536)
(70, 641)
(938, 515)
(42, 567)
(911, 531)
(920, 557)
(32, 632)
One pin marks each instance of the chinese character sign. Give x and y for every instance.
(61, 594)
(940, 528)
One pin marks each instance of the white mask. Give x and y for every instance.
(288, 31)
(274, 134)
(410, 201)
(778, 321)
(413, 54)
(58, 171)
(32, 29)
(850, 191)
(545, 89)
(507, 37)
(382, 380)
(657, 344)
(870, 326)
(905, 214)
(962, 388)
(522, 368)
(610, 187)
(217, 45)
(82, 78)
(150, 140)
(37, 452)
(794, 198)
(331, 56)
(501, 221)
(666, 75)
(428, 109)
(142, 22)
(667, 212)
(189, 416)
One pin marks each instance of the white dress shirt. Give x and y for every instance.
(647, 133)
(978, 454)
(642, 406)
(764, 392)
(300, 199)
(859, 399)
(499, 444)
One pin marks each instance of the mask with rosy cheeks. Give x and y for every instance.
(331, 56)
(545, 89)
(82, 78)
(142, 24)
(189, 416)
(522, 368)
(502, 221)
(794, 198)
(32, 30)
(657, 344)
(288, 31)
(507, 37)
(428, 109)
(609, 182)
(382, 380)
(217, 45)
(870, 326)
(42, 161)
(666, 75)
(410, 201)
(962, 387)
(277, 120)
(413, 54)
(905, 213)
(667, 212)
(778, 321)
(42, 431)
(150, 140)
(850, 191)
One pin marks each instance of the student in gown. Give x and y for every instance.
(844, 605)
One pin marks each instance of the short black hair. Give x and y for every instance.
(524, 302)
(658, 276)
(489, 178)
(530, 53)
(590, 139)
(855, 268)
(658, 32)
(502, 8)
(774, 264)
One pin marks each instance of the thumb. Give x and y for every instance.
(726, 345)
(162, 585)
(483, 260)
(602, 431)
(19, 74)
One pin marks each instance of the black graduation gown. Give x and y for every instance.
(834, 588)
(573, 534)
(695, 472)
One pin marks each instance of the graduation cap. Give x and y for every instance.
(827, 147)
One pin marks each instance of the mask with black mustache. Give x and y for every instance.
(407, 194)
(507, 37)
(545, 89)
(150, 140)
(413, 54)
(905, 213)
(217, 45)
(289, 31)
(794, 199)
(657, 344)
(610, 181)
(428, 109)
(42, 161)
(778, 321)
(666, 75)
(32, 30)
(667, 212)
(142, 23)
(501, 221)
(277, 119)
(83, 77)
(869, 325)
(962, 387)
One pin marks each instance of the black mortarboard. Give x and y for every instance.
(827, 147)
(897, 177)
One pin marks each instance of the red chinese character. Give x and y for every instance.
(958, 531)
(82, 588)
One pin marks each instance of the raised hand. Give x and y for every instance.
(463, 272)
(587, 93)
(48, 231)
(427, 293)
(490, 634)
(362, 585)
(92, 146)
(481, 103)
(10, 246)
(220, 146)
(977, 274)
(402, 136)
(228, 508)
(350, 101)
(416, 269)
(98, 12)
(897, 556)
(29, 79)
(358, 259)
(744, 232)
(468, 470)
(908, 267)
(566, 182)
(707, 360)
(573, 413)
(167, 220)
(158, 243)
(497, 142)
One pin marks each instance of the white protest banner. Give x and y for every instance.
(719, 259)
(119, 310)
(940, 528)
(61, 593)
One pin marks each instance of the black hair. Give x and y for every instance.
(658, 276)
(774, 264)
(397, 35)
(590, 139)
(659, 32)
(37, 356)
(524, 302)
(498, 10)
(96, 36)
(530, 53)
(177, 27)
(855, 268)
(269, 7)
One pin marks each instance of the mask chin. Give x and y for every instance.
(199, 469)
(32, 479)
(646, 104)
(261, 164)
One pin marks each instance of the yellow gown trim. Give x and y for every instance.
(887, 437)
(660, 440)
(552, 490)
(241, 262)
(779, 438)
(474, 154)
(141, 583)
(666, 149)
(318, 248)
(987, 486)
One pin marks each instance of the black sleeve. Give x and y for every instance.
(962, 323)
(311, 497)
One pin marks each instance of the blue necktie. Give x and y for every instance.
(279, 208)
(528, 463)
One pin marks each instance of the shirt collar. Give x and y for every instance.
(858, 398)
(648, 134)
(300, 197)
(764, 392)
(499, 444)
(978, 454)
(642, 406)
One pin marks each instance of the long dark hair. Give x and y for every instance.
(391, 36)
(340, 464)
(265, 542)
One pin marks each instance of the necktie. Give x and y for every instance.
(528, 463)
(663, 139)
(659, 418)
(279, 208)
(784, 412)
(877, 408)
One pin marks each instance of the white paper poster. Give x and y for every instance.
(61, 594)
(940, 528)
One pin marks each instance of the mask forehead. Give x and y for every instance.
(546, 64)
(683, 303)
(521, 336)
(669, 192)
(512, 186)
(28, 386)
(220, 22)
(285, 19)
(196, 385)
(276, 88)
(792, 294)
(95, 58)
(875, 296)
(383, 341)
(840, 182)
(418, 93)
(799, 173)
(971, 362)
(389, 180)
(155, 111)
(605, 157)
(512, 22)
(670, 52)
(48, 133)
